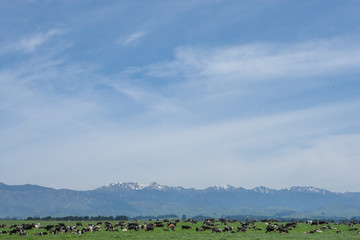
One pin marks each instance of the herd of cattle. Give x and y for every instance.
(216, 226)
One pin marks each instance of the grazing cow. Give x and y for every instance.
(49, 227)
(111, 229)
(27, 226)
(39, 234)
(121, 224)
(314, 231)
(133, 226)
(271, 228)
(319, 223)
(149, 227)
(209, 222)
(87, 229)
(158, 224)
(171, 226)
(16, 230)
(185, 227)
(97, 228)
(283, 229)
(173, 223)
(190, 220)
(291, 225)
(71, 228)
(228, 228)
(216, 230)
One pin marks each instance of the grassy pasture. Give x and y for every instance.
(159, 233)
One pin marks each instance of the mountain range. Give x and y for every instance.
(133, 199)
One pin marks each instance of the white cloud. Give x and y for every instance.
(260, 62)
(132, 39)
(30, 44)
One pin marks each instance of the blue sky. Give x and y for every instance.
(184, 93)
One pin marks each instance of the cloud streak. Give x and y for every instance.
(261, 62)
(31, 43)
(132, 39)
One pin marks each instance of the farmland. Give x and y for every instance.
(175, 229)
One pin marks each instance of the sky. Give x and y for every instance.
(182, 93)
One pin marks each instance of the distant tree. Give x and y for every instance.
(183, 217)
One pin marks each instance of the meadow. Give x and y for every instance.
(256, 230)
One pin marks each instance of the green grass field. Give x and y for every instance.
(159, 233)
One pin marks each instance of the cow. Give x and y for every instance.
(172, 226)
(149, 227)
(216, 230)
(242, 229)
(228, 228)
(271, 228)
(39, 234)
(49, 227)
(133, 226)
(158, 224)
(283, 229)
(185, 227)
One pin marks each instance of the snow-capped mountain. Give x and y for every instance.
(262, 189)
(308, 189)
(129, 186)
(135, 186)
(221, 188)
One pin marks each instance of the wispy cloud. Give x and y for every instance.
(132, 39)
(262, 61)
(30, 44)
(205, 81)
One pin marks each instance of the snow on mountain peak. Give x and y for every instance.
(132, 186)
(307, 189)
(222, 187)
(262, 189)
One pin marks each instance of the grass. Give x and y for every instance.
(159, 233)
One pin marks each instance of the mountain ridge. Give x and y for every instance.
(227, 187)
(133, 198)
